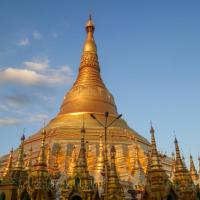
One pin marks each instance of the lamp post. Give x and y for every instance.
(105, 125)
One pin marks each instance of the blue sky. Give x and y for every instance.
(149, 53)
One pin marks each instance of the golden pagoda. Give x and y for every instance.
(88, 95)
(158, 186)
(39, 181)
(182, 180)
(9, 165)
(114, 188)
(80, 185)
(57, 155)
(15, 175)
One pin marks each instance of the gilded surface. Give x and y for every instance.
(88, 95)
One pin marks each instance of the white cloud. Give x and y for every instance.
(21, 76)
(36, 73)
(24, 42)
(37, 65)
(37, 35)
(9, 121)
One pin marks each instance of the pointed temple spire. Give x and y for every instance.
(158, 185)
(10, 164)
(100, 160)
(20, 158)
(90, 45)
(100, 168)
(182, 180)
(82, 160)
(42, 155)
(89, 93)
(40, 176)
(193, 171)
(179, 162)
(80, 181)
(199, 165)
(115, 190)
(155, 164)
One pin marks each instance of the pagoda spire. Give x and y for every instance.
(114, 188)
(100, 160)
(81, 180)
(199, 165)
(155, 163)
(193, 171)
(158, 185)
(179, 162)
(82, 160)
(89, 45)
(10, 164)
(20, 158)
(42, 156)
(40, 176)
(100, 166)
(183, 182)
(89, 93)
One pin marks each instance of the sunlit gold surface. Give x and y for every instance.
(182, 180)
(158, 185)
(88, 95)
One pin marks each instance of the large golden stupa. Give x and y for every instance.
(57, 163)
(90, 95)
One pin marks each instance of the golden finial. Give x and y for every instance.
(90, 25)
(10, 163)
(178, 156)
(154, 153)
(20, 159)
(90, 45)
(42, 155)
(151, 129)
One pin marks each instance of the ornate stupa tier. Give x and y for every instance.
(89, 94)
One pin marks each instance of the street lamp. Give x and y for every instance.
(105, 125)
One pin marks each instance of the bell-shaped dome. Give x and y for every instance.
(89, 94)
